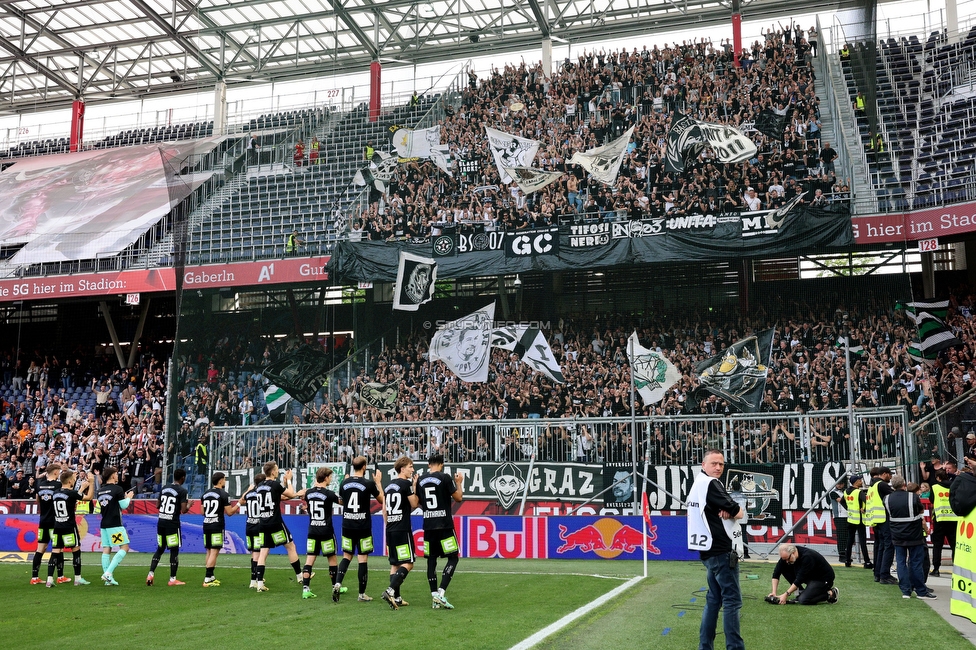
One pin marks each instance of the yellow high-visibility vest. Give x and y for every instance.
(852, 501)
(963, 601)
(874, 510)
(941, 509)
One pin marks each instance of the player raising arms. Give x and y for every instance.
(273, 530)
(357, 524)
(436, 490)
(400, 502)
(113, 500)
(252, 527)
(321, 535)
(173, 502)
(215, 503)
(65, 501)
(46, 488)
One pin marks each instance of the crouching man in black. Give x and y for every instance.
(806, 572)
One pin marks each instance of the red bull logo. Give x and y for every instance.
(608, 538)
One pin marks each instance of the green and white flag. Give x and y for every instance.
(276, 399)
(855, 345)
(934, 335)
(653, 374)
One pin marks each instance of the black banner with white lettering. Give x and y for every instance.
(690, 238)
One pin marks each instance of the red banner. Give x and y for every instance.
(911, 226)
(120, 283)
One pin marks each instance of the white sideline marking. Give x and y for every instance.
(572, 616)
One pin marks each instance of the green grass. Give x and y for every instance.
(639, 616)
(499, 603)
(493, 610)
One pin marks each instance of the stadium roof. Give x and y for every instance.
(54, 51)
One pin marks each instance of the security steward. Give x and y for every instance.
(962, 498)
(875, 516)
(945, 520)
(854, 502)
(807, 572)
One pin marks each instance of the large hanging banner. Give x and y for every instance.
(691, 238)
(510, 151)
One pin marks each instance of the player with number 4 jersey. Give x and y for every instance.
(437, 492)
(400, 501)
(173, 502)
(215, 503)
(319, 501)
(357, 524)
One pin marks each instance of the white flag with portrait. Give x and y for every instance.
(531, 346)
(603, 163)
(464, 345)
(510, 151)
(416, 276)
(530, 179)
(653, 373)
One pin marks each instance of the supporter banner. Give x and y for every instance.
(687, 137)
(505, 483)
(77, 205)
(120, 283)
(382, 397)
(531, 347)
(653, 373)
(771, 124)
(693, 238)
(912, 226)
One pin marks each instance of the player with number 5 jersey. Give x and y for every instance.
(215, 503)
(173, 502)
(437, 492)
(401, 500)
(319, 500)
(357, 523)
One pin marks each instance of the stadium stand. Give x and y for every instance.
(925, 108)
(595, 100)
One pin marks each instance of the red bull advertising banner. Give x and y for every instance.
(577, 537)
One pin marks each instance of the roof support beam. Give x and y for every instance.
(29, 60)
(357, 31)
(180, 38)
(540, 18)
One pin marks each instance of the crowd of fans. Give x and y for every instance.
(116, 419)
(596, 99)
(123, 426)
(806, 375)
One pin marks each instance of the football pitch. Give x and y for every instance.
(499, 604)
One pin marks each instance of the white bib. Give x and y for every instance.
(699, 534)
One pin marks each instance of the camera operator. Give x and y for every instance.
(803, 566)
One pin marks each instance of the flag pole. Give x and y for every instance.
(633, 427)
(850, 399)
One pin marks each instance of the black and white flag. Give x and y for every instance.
(603, 163)
(738, 373)
(464, 344)
(300, 373)
(687, 137)
(531, 346)
(510, 151)
(530, 179)
(416, 276)
(383, 397)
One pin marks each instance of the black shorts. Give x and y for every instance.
(65, 539)
(168, 537)
(276, 537)
(252, 537)
(400, 548)
(357, 542)
(440, 542)
(213, 538)
(44, 535)
(319, 543)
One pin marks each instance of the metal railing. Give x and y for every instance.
(881, 435)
